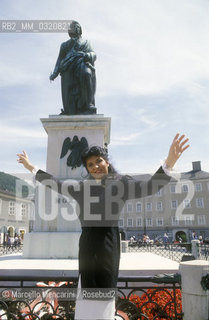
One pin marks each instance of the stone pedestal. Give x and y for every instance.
(56, 245)
(95, 128)
(56, 229)
(195, 300)
(124, 246)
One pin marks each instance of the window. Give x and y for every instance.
(159, 222)
(198, 187)
(159, 193)
(129, 207)
(175, 221)
(121, 223)
(174, 204)
(130, 222)
(23, 209)
(138, 207)
(173, 188)
(201, 220)
(188, 221)
(11, 208)
(208, 186)
(159, 206)
(148, 206)
(0, 205)
(199, 203)
(185, 187)
(187, 204)
(139, 222)
(149, 222)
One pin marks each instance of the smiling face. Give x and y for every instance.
(97, 167)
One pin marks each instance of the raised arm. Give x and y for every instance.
(66, 188)
(23, 158)
(178, 146)
(137, 189)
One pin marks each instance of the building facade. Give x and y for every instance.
(15, 214)
(180, 208)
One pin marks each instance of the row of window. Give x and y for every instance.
(185, 187)
(148, 206)
(188, 221)
(12, 209)
(130, 208)
(187, 203)
(178, 188)
(159, 205)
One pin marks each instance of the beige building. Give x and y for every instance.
(180, 208)
(15, 216)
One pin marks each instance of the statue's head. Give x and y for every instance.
(74, 29)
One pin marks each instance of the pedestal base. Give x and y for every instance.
(51, 245)
(131, 264)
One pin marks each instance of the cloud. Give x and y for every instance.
(18, 132)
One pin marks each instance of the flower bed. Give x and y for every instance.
(154, 304)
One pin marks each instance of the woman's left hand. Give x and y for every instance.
(178, 146)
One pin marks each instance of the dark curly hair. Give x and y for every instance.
(96, 151)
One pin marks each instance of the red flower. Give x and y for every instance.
(158, 301)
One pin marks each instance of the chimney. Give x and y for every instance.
(196, 166)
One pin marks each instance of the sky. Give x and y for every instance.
(152, 78)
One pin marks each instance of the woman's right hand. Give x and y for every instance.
(23, 158)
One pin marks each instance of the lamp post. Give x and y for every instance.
(145, 227)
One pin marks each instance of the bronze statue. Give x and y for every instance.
(75, 64)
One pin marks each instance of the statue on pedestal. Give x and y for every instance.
(75, 64)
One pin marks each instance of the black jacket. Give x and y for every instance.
(99, 209)
(100, 203)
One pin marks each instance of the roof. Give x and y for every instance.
(6, 192)
(9, 186)
(190, 175)
(195, 175)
